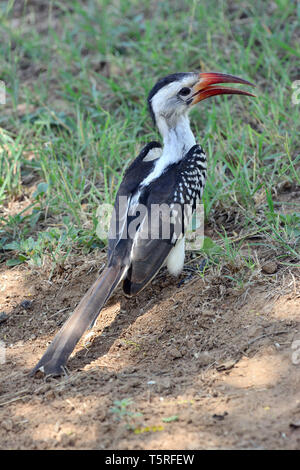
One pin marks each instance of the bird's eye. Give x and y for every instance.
(184, 91)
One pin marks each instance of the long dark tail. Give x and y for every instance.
(56, 356)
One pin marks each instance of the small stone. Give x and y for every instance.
(66, 440)
(270, 267)
(50, 395)
(204, 358)
(164, 384)
(174, 353)
(255, 330)
(7, 425)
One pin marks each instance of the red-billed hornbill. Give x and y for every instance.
(173, 174)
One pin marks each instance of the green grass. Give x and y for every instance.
(77, 76)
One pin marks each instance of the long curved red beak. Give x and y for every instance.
(205, 88)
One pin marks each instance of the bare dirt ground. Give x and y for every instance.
(204, 365)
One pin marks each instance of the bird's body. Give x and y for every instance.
(150, 217)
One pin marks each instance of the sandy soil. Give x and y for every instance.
(202, 364)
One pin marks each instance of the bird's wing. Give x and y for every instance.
(134, 175)
(153, 240)
(181, 184)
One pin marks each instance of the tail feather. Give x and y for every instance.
(56, 356)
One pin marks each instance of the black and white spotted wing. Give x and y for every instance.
(134, 175)
(157, 230)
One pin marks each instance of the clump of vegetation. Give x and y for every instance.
(76, 115)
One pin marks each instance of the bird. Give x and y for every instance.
(172, 174)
